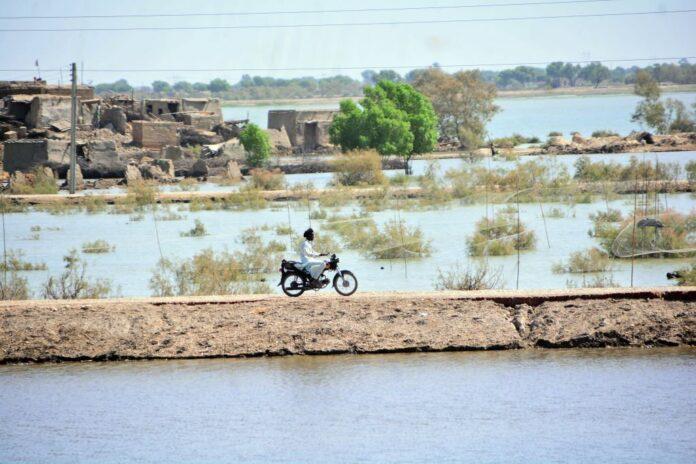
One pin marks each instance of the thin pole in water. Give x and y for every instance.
(633, 234)
(517, 282)
(73, 129)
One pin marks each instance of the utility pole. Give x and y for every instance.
(73, 129)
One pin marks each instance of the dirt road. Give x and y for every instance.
(365, 323)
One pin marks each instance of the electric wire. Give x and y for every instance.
(354, 24)
(293, 12)
(357, 68)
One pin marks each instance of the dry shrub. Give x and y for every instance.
(358, 168)
(481, 277)
(73, 283)
(14, 287)
(35, 182)
(264, 179)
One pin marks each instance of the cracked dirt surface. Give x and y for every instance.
(271, 325)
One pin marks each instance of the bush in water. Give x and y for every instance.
(358, 167)
(73, 282)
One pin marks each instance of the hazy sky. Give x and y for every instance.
(380, 46)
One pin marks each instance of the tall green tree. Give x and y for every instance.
(161, 87)
(596, 73)
(393, 118)
(219, 85)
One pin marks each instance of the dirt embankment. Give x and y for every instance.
(368, 323)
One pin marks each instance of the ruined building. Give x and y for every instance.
(308, 130)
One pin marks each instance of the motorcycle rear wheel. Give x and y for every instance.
(345, 283)
(293, 284)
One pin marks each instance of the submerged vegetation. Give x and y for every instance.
(581, 262)
(220, 273)
(394, 240)
(500, 236)
(97, 246)
(14, 261)
(358, 168)
(198, 230)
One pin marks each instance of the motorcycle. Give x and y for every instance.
(294, 280)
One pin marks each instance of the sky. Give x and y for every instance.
(334, 47)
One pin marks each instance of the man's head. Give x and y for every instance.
(309, 234)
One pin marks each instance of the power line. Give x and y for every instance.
(356, 24)
(293, 12)
(353, 68)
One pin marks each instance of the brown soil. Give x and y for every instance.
(322, 324)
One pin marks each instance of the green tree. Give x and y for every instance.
(183, 87)
(219, 85)
(393, 118)
(161, 87)
(595, 73)
(200, 86)
(256, 144)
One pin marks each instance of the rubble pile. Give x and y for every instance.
(118, 137)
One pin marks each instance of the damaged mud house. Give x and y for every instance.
(120, 137)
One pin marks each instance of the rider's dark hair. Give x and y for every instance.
(309, 232)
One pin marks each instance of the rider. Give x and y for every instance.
(315, 268)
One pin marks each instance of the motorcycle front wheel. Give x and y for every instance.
(293, 284)
(345, 283)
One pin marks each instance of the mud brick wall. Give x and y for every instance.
(155, 134)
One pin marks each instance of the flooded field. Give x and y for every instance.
(573, 406)
(134, 241)
(535, 116)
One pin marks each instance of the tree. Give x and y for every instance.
(161, 87)
(649, 112)
(219, 85)
(388, 75)
(200, 86)
(183, 87)
(595, 73)
(369, 77)
(463, 102)
(554, 74)
(120, 86)
(646, 86)
(256, 144)
(571, 72)
(394, 119)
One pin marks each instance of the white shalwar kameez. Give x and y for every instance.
(314, 267)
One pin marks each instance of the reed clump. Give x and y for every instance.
(265, 179)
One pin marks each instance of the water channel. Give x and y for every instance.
(571, 406)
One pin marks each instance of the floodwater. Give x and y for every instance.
(136, 252)
(571, 406)
(532, 116)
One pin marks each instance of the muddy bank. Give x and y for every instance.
(369, 323)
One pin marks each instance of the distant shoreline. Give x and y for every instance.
(531, 93)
